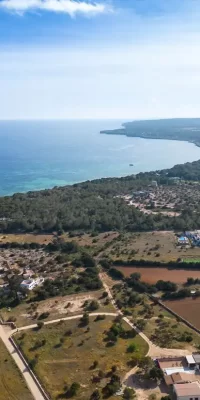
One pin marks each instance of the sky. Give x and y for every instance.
(100, 59)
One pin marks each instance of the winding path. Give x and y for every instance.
(54, 321)
(154, 351)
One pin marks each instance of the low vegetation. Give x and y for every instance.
(164, 329)
(92, 353)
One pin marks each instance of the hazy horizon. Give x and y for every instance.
(121, 120)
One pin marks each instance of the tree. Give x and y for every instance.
(88, 261)
(146, 363)
(95, 395)
(129, 394)
(33, 362)
(131, 348)
(113, 386)
(141, 323)
(115, 274)
(40, 324)
(136, 276)
(94, 305)
(84, 321)
(155, 373)
(114, 368)
(165, 398)
(73, 389)
(152, 396)
(95, 364)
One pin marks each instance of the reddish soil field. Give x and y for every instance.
(187, 308)
(152, 275)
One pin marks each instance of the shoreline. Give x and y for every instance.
(150, 138)
(111, 157)
(180, 129)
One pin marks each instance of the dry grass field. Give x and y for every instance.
(57, 307)
(159, 246)
(169, 333)
(87, 239)
(66, 357)
(26, 238)
(12, 385)
(158, 324)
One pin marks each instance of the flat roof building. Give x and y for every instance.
(187, 391)
(190, 361)
(196, 359)
(28, 284)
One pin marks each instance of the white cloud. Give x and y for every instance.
(70, 7)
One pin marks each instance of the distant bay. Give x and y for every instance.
(38, 155)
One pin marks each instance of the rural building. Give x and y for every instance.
(183, 240)
(190, 361)
(179, 377)
(28, 284)
(187, 391)
(170, 365)
(175, 179)
(194, 237)
(141, 193)
(154, 183)
(197, 359)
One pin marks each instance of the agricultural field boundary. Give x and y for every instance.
(46, 396)
(185, 321)
(157, 264)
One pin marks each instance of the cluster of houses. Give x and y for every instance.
(194, 237)
(27, 281)
(182, 376)
(190, 238)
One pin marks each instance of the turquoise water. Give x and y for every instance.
(38, 155)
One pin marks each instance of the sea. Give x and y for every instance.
(38, 155)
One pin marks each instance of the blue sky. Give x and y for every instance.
(127, 59)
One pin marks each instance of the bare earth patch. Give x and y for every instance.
(61, 305)
(188, 308)
(152, 275)
(57, 307)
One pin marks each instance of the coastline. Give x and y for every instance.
(149, 137)
(180, 129)
(79, 153)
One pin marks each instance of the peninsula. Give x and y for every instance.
(184, 129)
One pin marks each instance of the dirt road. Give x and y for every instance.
(154, 351)
(4, 335)
(54, 321)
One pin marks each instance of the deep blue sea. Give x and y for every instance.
(37, 155)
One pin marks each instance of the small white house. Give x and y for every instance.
(28, 284)
(187, 391)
